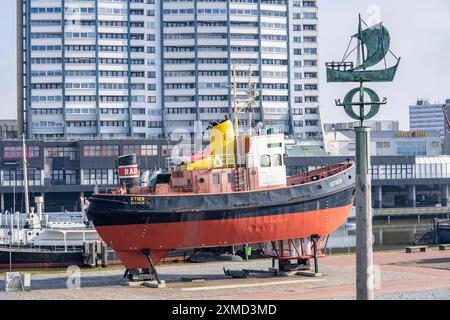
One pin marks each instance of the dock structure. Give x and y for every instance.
(416, 213)
(95, 254)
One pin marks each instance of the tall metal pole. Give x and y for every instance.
(14, 191)
(25, 177)
(20, 66)
(364, 248)
(10, 234)
(250, 100)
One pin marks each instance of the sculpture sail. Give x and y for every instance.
(376, 40)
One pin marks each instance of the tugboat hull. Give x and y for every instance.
(132, 224)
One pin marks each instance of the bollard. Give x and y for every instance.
(26, 280)
(104, 255)
(92, 255)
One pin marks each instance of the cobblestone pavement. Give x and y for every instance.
(402, 276)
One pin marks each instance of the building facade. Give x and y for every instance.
(63, 171)
(386, 143)
(378, 125)
(426, 116)
(397, 181)
(159, 68)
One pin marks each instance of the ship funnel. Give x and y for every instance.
(128, 170)
(222, 148)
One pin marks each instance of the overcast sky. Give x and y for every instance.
(420, 32)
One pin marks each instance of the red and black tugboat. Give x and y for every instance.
(237, 193)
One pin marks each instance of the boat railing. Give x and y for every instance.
(340, 66)
(227, 160)
(56, 248)
(319, 174)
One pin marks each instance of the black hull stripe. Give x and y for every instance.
(25, 257)
(103, 214)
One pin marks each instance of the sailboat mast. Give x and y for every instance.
(25, 177)
(361, 52)
(251, 98)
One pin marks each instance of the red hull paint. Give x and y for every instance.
(129, 240)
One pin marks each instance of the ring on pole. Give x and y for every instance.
(374, 105)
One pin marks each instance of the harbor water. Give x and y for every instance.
(392, 235)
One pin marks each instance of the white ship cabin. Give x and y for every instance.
(267, 154)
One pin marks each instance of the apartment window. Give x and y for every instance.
(141, 150)
(100, 151)
(17, 152)
(60, 152)
(15, 177)
(100, 177)
(412, 149)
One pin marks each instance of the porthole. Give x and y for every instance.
(202, 180)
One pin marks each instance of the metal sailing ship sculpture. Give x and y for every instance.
(372, 49)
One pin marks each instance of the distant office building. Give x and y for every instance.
(386, 143)
(145, 69)
(425, 116)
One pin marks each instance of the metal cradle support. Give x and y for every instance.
(152, 265)
(314, 239)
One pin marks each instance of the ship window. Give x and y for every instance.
(275, 145)
(277, 160)
(265, 161)
(216, 178)
(230, 177)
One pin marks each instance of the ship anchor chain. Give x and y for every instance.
(374, 103)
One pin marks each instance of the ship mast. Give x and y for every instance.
(251, 94)
(360, 32)
(235, 107)
(248, 104)
(25, 177)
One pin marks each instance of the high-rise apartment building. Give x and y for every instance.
(148, 68)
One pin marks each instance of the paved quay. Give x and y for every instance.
(423, 275)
